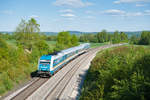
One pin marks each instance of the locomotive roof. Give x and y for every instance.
(74, 48)
(69, 50)
(45, 57)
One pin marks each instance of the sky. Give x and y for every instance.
(77, 15)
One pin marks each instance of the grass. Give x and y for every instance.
(51, 43)
(143, 46)
(12, 43)
(94, 45)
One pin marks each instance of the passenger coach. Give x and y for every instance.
(49, 64)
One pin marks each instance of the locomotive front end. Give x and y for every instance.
(44, 65)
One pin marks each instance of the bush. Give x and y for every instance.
(16, 65)
(119, 74)
(3, 44)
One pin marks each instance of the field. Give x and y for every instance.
(12, 43)
(93, 45)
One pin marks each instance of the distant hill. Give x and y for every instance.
(71, 32)
(5, 32)
(137, 33)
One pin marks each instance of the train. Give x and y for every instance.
(49, 64)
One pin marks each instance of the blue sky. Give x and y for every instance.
(77, 15)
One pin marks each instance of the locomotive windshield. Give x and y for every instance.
(41, 62)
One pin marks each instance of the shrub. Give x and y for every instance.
(119, 74)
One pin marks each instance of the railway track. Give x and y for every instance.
(30, 89)
(57, 91)
(25, 93)
(60, 86)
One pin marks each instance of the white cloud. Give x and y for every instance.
(34, 16)
(116, 12)
(139, 5)
(68, 15)
(130, 1)
(134, 14)
(66, 11)
(72, 3)
(7, 12)
(147, 12)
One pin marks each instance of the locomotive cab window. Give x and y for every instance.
(44, 62)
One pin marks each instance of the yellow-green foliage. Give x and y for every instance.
(65, 40)
(122, 73)
(16, 64)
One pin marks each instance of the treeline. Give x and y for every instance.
(121, 73)
(144, 39)
(19, 61)
(104, 36)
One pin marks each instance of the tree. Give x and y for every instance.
(145, 38)
(32, 26)
(88, 38)
(42, 46)
(84, 38)
(3, 44)
(123, 36)
(21, 31)
(51, 38)
(102, 36)
(110, 37)
(116, 38)
(74, 40)
(92, 38)
(134, 39)
(64, 39)
(26, 32)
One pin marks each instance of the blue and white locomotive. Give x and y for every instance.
(49, 64)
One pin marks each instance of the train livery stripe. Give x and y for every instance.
(65, 61)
